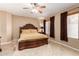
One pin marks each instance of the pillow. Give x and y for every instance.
(26, 31)
(33, 30)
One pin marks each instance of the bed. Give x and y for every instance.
(30, 37)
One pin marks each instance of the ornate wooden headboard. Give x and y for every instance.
(27, 26)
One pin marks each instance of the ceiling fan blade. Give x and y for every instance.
(34, 4)
(42, 6)
(40, 12)
(25, 8)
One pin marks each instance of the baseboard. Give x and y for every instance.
(65, 45)
(4, 43)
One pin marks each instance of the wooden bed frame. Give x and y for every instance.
(33, 43)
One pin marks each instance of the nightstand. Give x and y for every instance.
(42, 32)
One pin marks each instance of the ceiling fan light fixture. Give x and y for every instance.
(34, 10)
(35, 7)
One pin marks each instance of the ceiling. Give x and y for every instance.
(51, 8)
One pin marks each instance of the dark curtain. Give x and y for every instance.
(0, 49)
(63, 33)
(0, 45)
(44, 23)
(52, 27)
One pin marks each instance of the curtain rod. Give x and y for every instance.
(73, 12)
(73, 8)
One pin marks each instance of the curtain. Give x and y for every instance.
(63, 33)
(52, 27)
(0, 49)
(0, 45)
(44, 23)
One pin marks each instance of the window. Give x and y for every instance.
(72, 24)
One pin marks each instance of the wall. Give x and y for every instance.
(71, 42)
(5, 26)
(41, 23)
(9, 26)
(0, 27)
(19, 21)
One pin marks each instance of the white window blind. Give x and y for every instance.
(72, 24)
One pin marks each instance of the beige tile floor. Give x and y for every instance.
(52, 49)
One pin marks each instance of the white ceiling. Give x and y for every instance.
(51, 8)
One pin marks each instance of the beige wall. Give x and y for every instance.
(9, 26)
(19, 21)
(71, 42)
(5, 26)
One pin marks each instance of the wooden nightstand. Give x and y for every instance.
(42, 32)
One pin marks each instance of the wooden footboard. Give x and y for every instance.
(32, 44)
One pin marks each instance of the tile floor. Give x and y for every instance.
(52, 49)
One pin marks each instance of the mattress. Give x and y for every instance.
(32, 36)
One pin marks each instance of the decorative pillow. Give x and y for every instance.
(33, 30)
(26, 31)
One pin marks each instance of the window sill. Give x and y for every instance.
(73, 38)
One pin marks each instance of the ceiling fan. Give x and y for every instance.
(36, 7)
